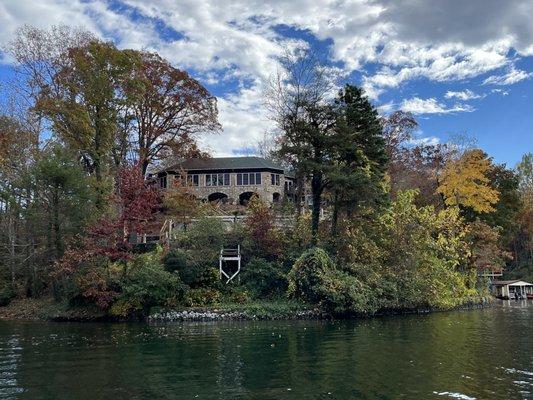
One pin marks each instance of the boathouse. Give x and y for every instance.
(509, 289)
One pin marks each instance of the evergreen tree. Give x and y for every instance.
(62, 200)
(359, 154)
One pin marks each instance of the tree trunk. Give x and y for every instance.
(12, 244)
(335, 215)
(316, 193)
(300, 183)
(58, 242)
(144, 165)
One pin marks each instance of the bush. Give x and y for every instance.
(264, 279)
(202, 297)
(204, 239)
(316, 279)
(308, 273)
(147, 284)
(6, 295)
(235, 294)
(191, 273)
(175, 260)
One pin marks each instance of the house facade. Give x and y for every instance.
(231, 180)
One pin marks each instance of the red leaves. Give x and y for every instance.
(169, 108)
(107, 241)
(267, 240)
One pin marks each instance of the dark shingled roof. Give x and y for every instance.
(225, 163)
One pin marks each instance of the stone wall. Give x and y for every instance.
(265, 190)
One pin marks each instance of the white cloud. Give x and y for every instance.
(500, 91)
(425, 141)
(463, 95)
(243, 119)
(512, 76)
(239, 40)
(417, 105)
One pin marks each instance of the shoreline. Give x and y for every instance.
(46, 309)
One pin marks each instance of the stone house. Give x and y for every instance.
(231, 180)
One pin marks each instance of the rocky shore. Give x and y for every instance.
(219, 315)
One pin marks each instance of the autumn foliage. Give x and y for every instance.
(107, 240)
(464, 182)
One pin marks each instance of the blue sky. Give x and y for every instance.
(460, 67)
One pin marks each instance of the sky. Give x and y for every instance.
(459, 66)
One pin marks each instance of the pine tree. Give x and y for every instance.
(360, 159)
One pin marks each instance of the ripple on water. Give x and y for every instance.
(454, 395)
(10, 358)
(460, 355)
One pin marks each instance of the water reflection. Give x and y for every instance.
(481, 354)
(515, 303)
(9, 359)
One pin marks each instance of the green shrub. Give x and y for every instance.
(316, 279)
(202, 297)
(308, 273)
(175, 260)
(204, 239)
(235, 294)
(6, 295)
(146, 284)
(264, 279)
(192, 273)
(341, 293)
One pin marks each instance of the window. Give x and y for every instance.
(217, 180)
(249, 178)
(288, 185)
(274, 179)
(193, 180)
(163, 182)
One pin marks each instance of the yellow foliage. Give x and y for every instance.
(464, 182)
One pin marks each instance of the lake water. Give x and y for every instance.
(478, 354)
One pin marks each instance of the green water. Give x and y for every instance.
(481, 354)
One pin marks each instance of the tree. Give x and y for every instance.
(18, 149)
(487, 253)
(465, 182)
(84, 109)
(398, 130)
(180, 203)
(524, 170)
(522, 241)
(168, 108)
(39, 55)
(506, 182)
(264, 239)
(106, 242)
(359, 155)
(298, 101)
(62, 199)
(413, 164)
